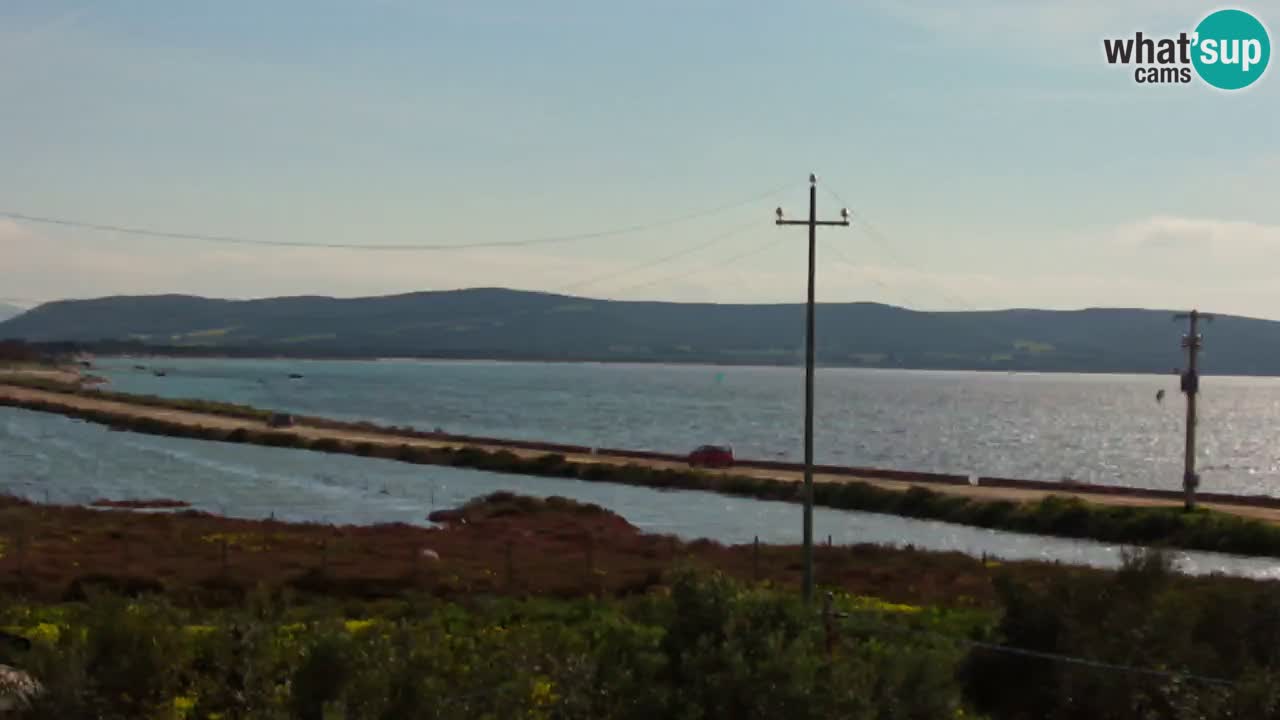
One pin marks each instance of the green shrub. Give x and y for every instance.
(1143, 617)
(279, 439)
(713, 649)
(326, 444)
(119, 665)
(326, 668)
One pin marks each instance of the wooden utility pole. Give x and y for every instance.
(813, 222)
(1191, 386)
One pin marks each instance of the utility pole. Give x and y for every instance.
(1191, 386)
(813, 222)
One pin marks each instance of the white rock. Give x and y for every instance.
(17, 689)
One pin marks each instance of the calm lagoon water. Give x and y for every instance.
(53, 458)
(1098, 428)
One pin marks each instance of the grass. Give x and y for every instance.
(192, 616)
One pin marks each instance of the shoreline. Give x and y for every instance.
(649, 363)
(1232, 526)
(947, 482)
(233, 354)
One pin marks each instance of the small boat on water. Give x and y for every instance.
(158, 373)
(295, 376)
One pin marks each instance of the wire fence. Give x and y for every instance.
(843, 626)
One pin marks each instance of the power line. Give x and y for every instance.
(880, 239)
(843, 258)
(755, 250)
(228, 239)
(659, 261)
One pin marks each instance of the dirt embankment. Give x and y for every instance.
(503, 544)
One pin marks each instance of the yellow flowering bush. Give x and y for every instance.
(863, 602)
(542, 692)
(750, 653)
(183, 705)
(359, 626)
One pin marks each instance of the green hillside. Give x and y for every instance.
(7, 311)
(507, 324)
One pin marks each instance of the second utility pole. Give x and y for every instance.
(813, 224)
(1191, 385)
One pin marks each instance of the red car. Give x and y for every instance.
(712, 456)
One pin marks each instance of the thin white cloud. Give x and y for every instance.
(1224, 238)
(1045, 31)
(1163, 261)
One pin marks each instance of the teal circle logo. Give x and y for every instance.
(1232, 49)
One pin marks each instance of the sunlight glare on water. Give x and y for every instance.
(1105, 429)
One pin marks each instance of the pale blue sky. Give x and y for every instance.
(998, 154)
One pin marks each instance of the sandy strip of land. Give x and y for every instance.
(196, 419)
(61, 375)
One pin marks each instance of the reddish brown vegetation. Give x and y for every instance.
(508, 545)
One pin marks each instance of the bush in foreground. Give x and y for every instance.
(708, 649)
(1219, 640)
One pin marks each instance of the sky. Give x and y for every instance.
(993, 157)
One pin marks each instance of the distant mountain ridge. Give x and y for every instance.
(7, 311)
(493, 323)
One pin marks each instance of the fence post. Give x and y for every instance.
(828, 622)
(591, 562)
(755, 560)
(510, 567)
